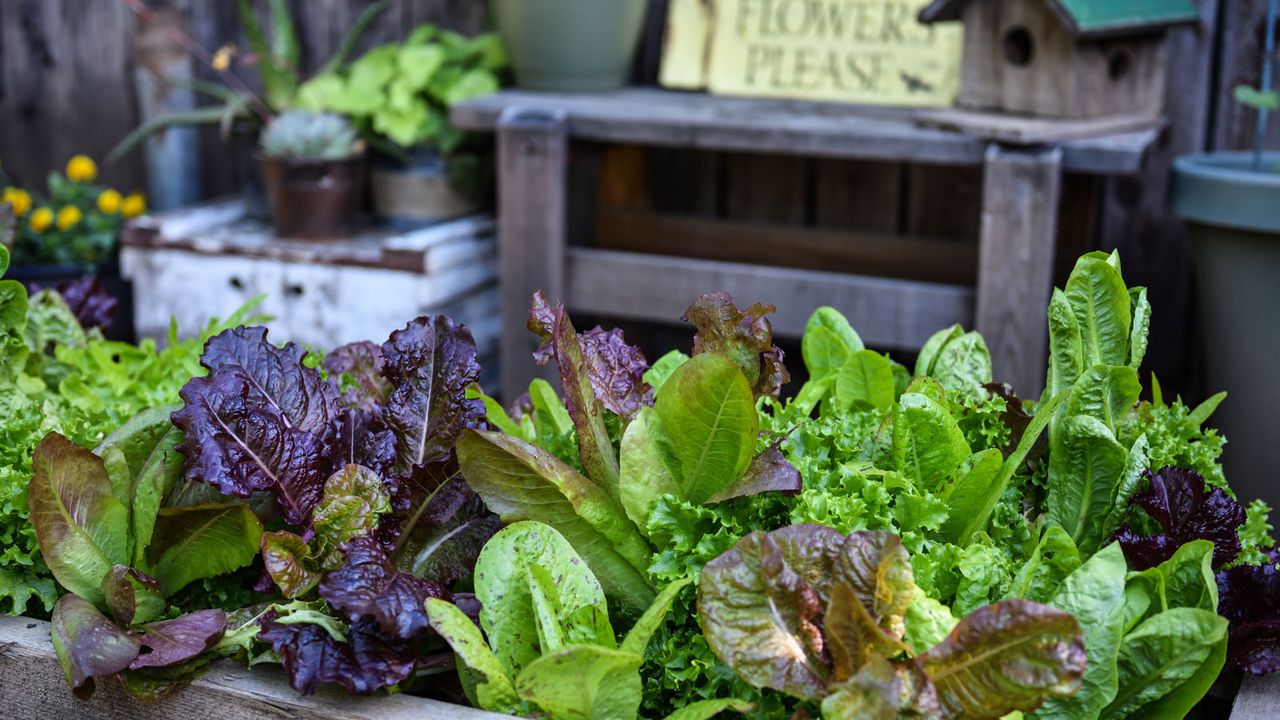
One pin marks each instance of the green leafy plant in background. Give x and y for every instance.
(827, 618)
(548, 645)
(402, 92)
(276, 57)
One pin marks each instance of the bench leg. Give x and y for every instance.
(532, 176)
(1020, 196)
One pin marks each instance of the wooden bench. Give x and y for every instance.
(1015, 255)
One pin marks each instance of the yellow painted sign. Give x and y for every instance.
(867, 51)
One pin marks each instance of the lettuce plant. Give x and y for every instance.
(360, 467)
(823, 617)
(120, 554)
(550, 647)
(695, 440)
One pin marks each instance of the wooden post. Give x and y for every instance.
(533, 150)
(1020, 198)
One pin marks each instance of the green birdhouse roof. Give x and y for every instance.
(1093, 18)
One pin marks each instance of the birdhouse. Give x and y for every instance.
(1064, 58)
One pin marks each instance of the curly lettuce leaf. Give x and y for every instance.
(746, 336)
(1187, 510)
(368, 587)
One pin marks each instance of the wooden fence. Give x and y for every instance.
(66, 86)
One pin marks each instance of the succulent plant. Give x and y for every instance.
(302, 135)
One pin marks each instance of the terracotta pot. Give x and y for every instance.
(315, 200)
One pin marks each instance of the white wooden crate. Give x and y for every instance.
(197, 263)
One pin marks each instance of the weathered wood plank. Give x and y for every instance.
(766, 188)
(1258, 699)
(857, 195)
(32, 686)
(857, 252)
(887, 313)
(1243, 32)
(533, 147)
(1015, 261)
(655, 117)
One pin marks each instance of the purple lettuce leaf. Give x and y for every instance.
(89, 301)
(260, 421)
(745, 336)
(1180, 502)
(175, 641)
(770, 471)
(446, 525)
(1249, 598)
(363, 664)
(355, 369)
(132, 596)
(368, 587)
(616, 372)
(430, 363)
(560, 342)
(88, 644)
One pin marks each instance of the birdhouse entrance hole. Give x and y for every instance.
(1018, 47)
(1118, 64)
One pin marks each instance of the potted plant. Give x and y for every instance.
(313, 168)
(241, 113)
(71, 232)
(570, 45)
(399, 95)
(1231, 201)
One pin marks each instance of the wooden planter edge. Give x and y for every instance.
(32, 686)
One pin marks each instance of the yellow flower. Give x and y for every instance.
(134, 205)
(222, 58)
(109, 202)
(19, 199)
(81, 168)
(68, 217)
(41, 219)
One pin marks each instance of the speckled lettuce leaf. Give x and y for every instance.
(88, 644)
(521, 482)
(1005, 657)
(175, 641)
(616, 371)
(583, 681)
(132, 596)
(746, 336)
(202, 541)
(1161, 654)
(560, 342)
(368, 587)
(536, 596)
(151, 466)
(363, 662)
(760, 607)
(82, 528)
(928, 444)
(430, 362)
(486, 681)
(1095, 595)
(260, 421)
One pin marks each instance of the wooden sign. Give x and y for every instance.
(866, 51)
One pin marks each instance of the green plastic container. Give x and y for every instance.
(1233, 215)
(570, 45)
